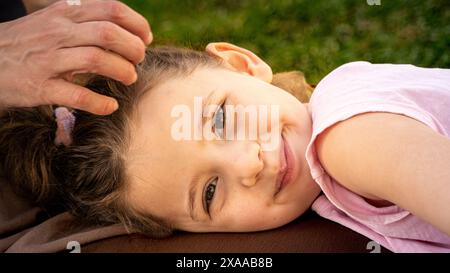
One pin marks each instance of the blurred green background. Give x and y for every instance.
(314, 36)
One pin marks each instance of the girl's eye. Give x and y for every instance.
(219, 122)
(209, 194)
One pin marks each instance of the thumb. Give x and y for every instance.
(71, 95)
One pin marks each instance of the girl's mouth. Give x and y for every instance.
(287, 165)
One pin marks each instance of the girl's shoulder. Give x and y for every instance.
(379, 71)
(357, 87)
(388, 156)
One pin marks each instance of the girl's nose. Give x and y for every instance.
(247, 164)
(248, 182)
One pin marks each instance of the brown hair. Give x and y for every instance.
(89, 177)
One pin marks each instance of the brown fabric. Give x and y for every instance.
(308, 233)
(24, 228)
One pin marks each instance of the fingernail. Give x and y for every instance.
(150, 38)
(115, 105)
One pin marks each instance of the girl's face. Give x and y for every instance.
(185, 172)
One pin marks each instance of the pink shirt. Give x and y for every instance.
(358, 87)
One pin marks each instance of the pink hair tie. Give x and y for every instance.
(65, 121)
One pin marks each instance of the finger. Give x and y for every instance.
(96, 61)
(113, 11)
(108, 36)
(75, 96)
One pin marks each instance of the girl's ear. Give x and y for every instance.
(241, 60)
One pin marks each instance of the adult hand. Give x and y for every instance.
(40, 53)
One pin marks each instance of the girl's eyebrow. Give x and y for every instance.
(208, 99)
(192, 197)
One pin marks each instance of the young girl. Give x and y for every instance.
(374, 140)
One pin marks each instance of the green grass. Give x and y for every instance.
(314, 36)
